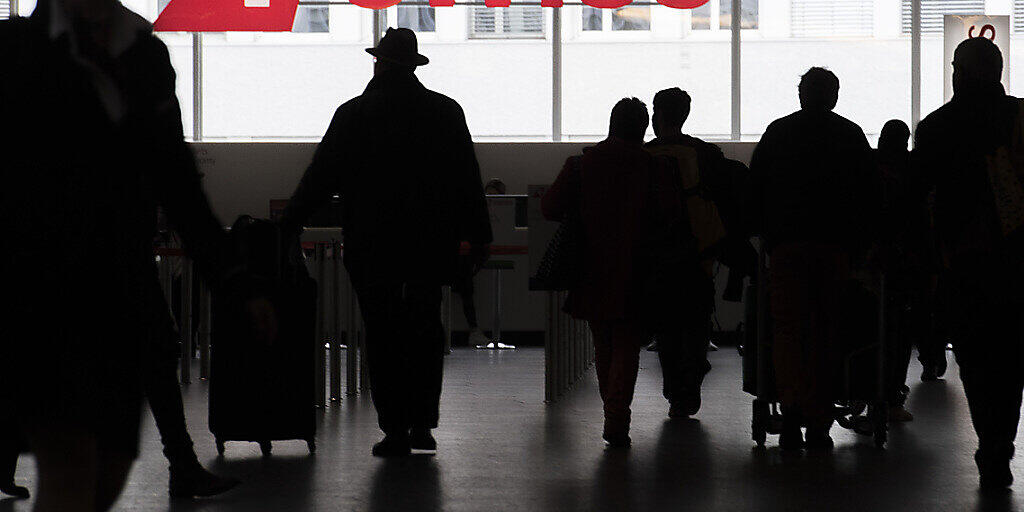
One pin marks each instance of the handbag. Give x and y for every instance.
(561, 268)
(673, 286)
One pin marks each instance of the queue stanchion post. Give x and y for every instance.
(446, 317)
(549, 366)
(185, 322)
(364, 366)
(497, 267)
(351, 343)
(204, 331)
(335, 340)
(319, 359)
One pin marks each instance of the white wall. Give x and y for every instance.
(243, 178)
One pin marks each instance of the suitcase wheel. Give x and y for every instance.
(265, 448)
(312, 445)
(220, 447)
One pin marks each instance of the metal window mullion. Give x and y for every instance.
(378, 29)
(197, 86)
(915, 64)
(14, 8)
(735, 78)
(556, 74)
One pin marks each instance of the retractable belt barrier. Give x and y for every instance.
(569, 350)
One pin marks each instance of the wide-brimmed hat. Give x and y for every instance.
(399, 46)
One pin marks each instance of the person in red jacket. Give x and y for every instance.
(612, 184)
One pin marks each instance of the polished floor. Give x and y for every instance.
(502, 448)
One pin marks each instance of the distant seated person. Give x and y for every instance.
(495, 187)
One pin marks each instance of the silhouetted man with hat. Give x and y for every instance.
(402, 160)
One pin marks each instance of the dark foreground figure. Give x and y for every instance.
(79, 278)
(402, 159)
(957, 146)
(812, 204)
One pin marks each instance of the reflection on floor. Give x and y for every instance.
(502, 448)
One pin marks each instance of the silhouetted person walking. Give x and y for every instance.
(622, 192)
(812, 204)
(402, 159)
(956, 145)
(93, 143)
(906, 257)
(683, 349)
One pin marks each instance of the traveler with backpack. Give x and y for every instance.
(971, 151)
(626, 198)
(683, 346)
(812, 202)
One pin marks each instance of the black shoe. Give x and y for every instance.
(791, 439)
(392, 446)
(420, 439)
(686, 406)
(16, 491)
(819, 441)
(995, 471)
(196, 482)
(617, 440)
(676, 410)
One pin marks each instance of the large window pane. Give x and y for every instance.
(1016, 58)
(497, 64)
(631, 18)
(599, 68)
(861, 41)
(748, 14)
(284, 85)
(416, 18)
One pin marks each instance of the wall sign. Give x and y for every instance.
(959, 28)
(279, 15)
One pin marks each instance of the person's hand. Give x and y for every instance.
(478, 255)
(262, 319)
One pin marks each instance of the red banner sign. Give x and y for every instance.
(279, 15)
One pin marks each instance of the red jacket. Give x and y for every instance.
(616, 181)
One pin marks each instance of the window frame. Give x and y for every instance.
(499, 17)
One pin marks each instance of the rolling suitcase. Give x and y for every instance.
(261, 393)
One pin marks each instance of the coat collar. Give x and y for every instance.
(394, 80)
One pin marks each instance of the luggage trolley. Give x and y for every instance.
(861, 402)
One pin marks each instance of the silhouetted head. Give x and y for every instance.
(397, 51)
(671, 108)
(629, 120)
(819, 89)
(977, 64)
(895, 137)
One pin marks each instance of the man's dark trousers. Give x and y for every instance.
(683, 353)
(405, 352)
(988, 333)
(164, 396)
